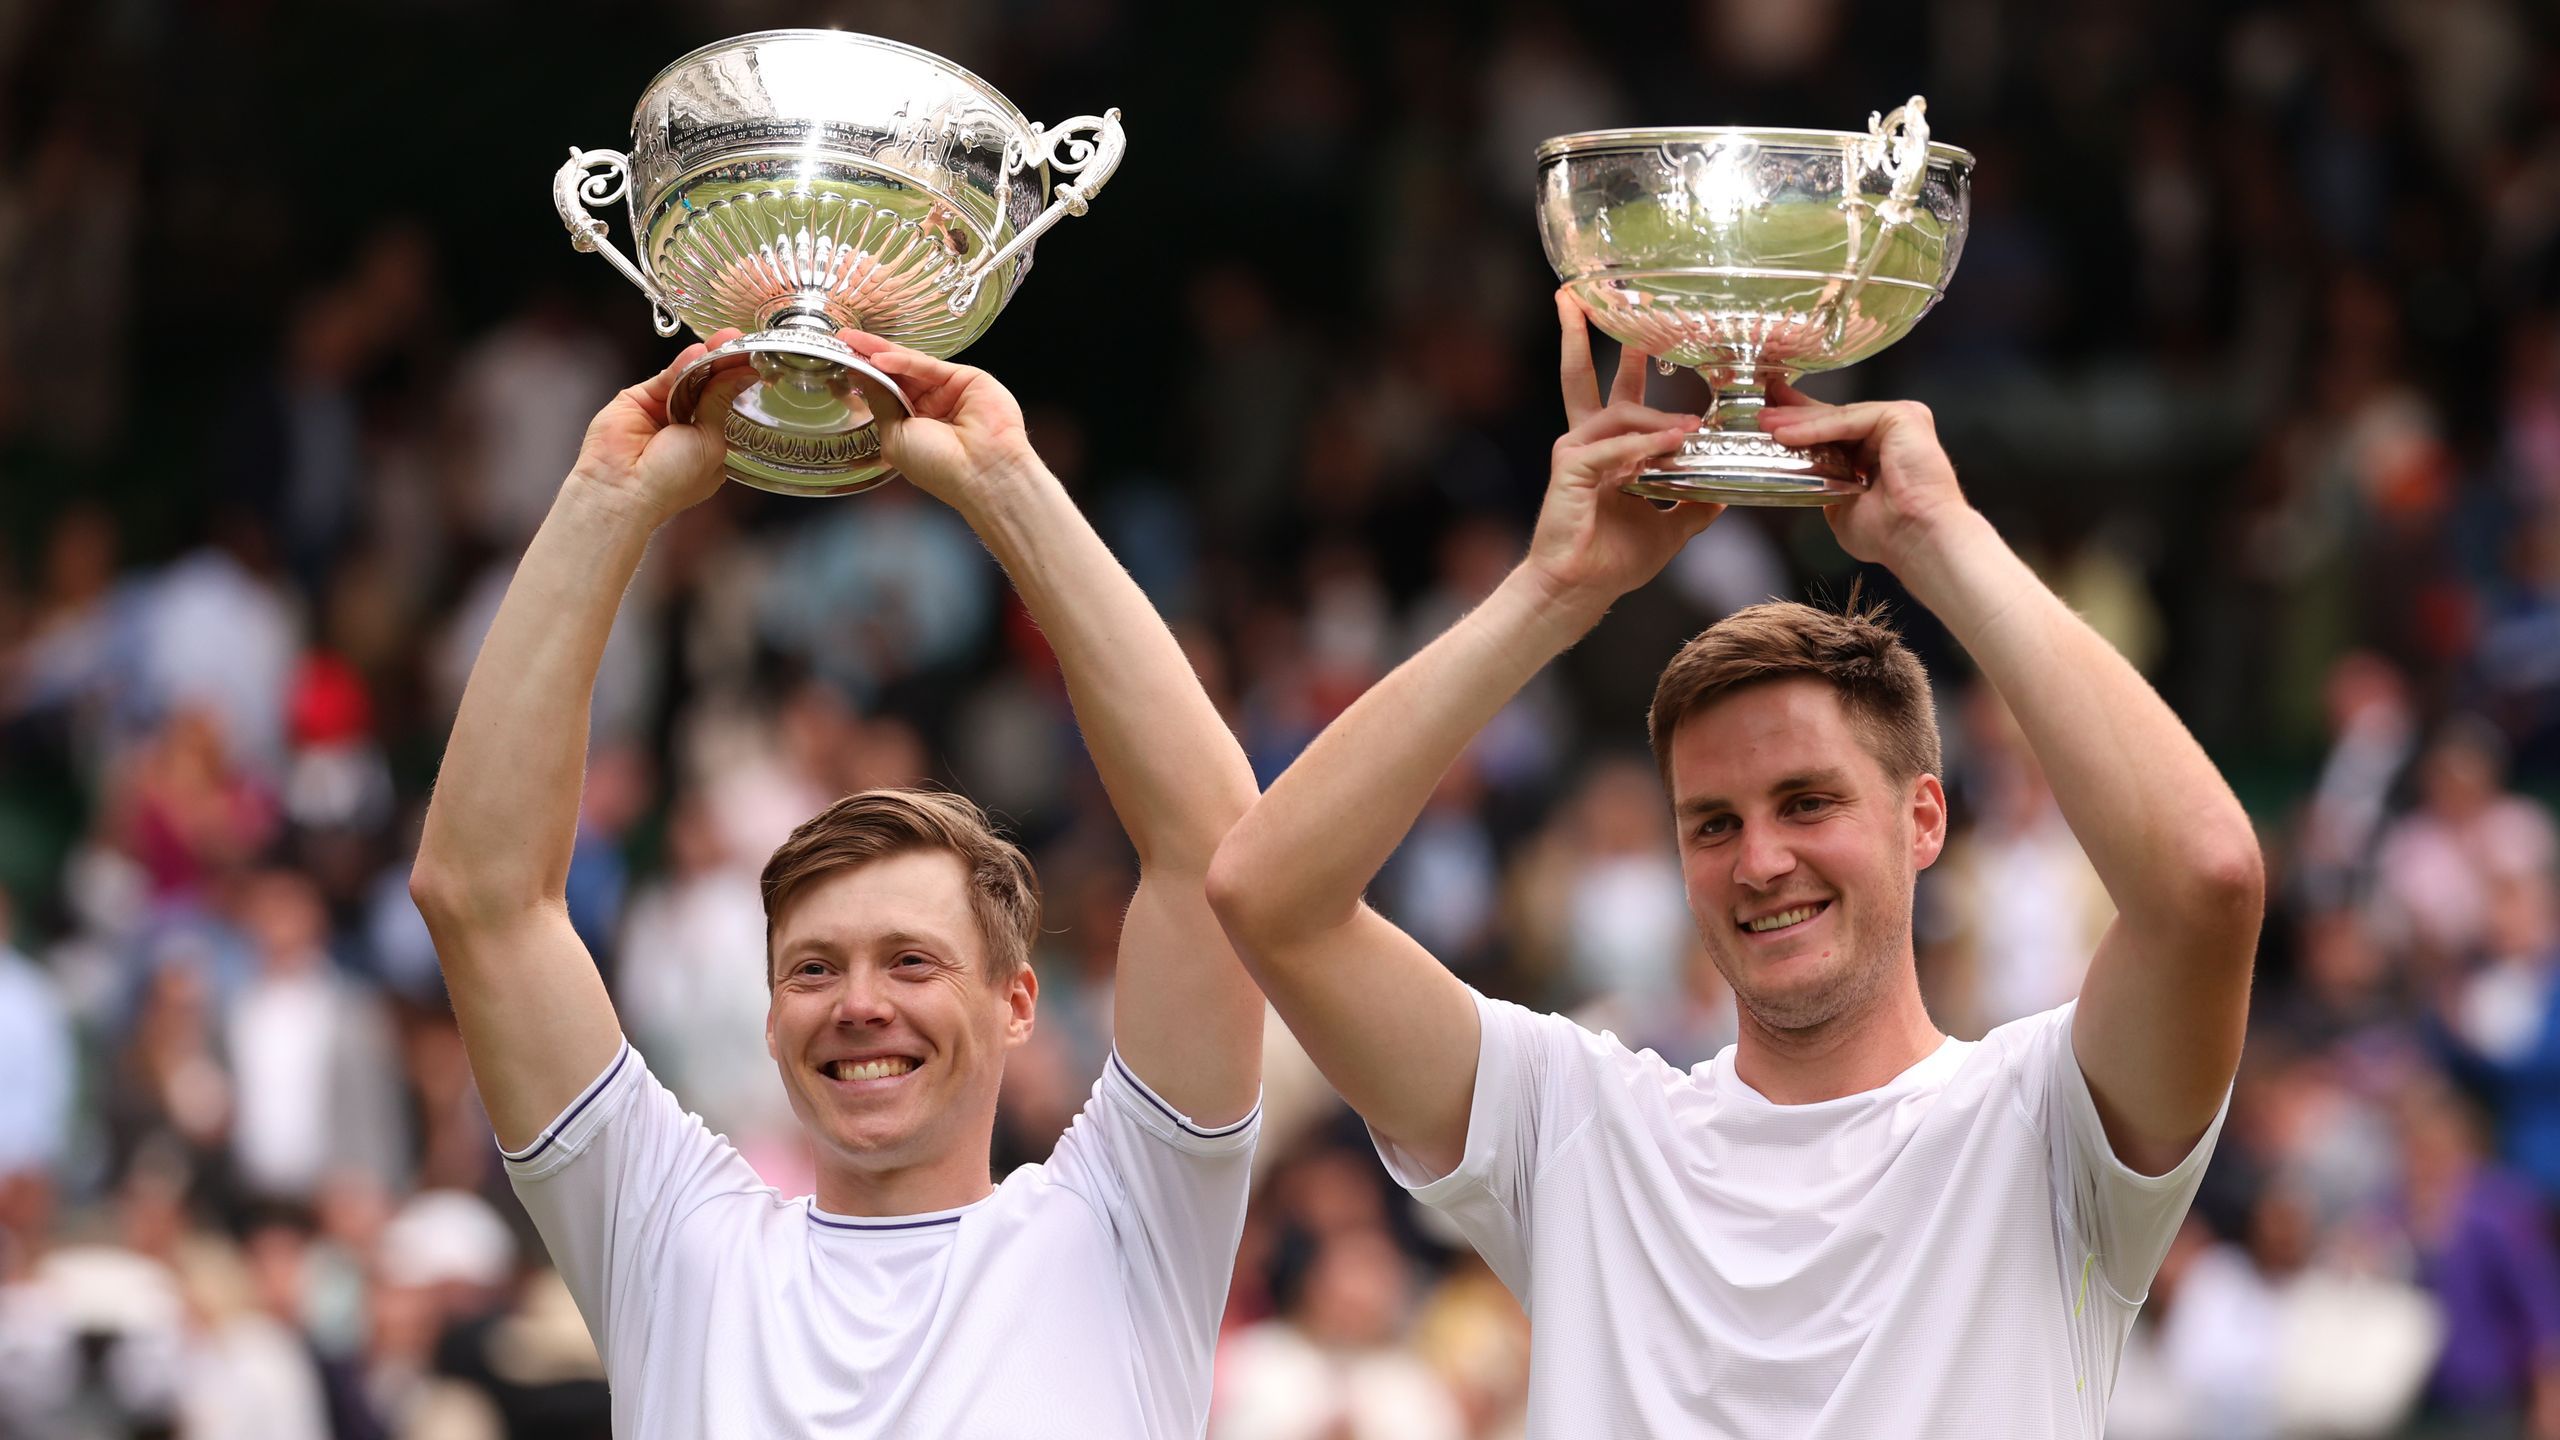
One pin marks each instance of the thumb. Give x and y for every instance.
(900, 428)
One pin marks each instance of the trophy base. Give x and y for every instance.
(805, 427)
(1743, 467)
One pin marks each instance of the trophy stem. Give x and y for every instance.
(1728, 461)
(806, 426)
(1738, 403)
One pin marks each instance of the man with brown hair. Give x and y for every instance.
(913, 1294)
(1847, 1224)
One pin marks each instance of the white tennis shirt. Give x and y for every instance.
(1082, 1297)
(1955, 1253)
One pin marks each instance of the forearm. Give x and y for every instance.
(1302, 858)
(1174, 772)
(2158, 822)
(504, 816)
(1185, 1016)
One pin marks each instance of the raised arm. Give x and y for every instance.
(493, 863)
(1392, 1029)
(2166, 1000)
(1185, 1016)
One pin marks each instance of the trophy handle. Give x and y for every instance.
(1898, 144)
(1063, 147)
(573, 189)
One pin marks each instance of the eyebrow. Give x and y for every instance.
(888, 939)
(1824, 779)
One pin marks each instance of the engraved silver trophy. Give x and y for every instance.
(1754, 256)
(791, 183)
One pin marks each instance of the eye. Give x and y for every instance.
(911, 960)
(1808, 804)
(1713, 827)
(810, 967)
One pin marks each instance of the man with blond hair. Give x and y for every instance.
(914, 1294)
(1847, 1224)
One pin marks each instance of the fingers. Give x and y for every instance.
(1782, 392)
(891, 356)
(1581, 382)
(1629, 386)
(1580, 375)
(1695, 516)
(651, 394)
(1609, 459)
(1802, 425)
(1623, 417)
(924, 374)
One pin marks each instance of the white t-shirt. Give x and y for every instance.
(1081, 1297)
(1954, 1253)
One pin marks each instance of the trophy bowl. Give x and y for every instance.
(1753, 256)
(792, 183)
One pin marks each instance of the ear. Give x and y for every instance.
(1928, 821)
(1021, 1000)
(771, 995)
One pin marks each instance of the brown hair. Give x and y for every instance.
(876, 824)
(1878, 679)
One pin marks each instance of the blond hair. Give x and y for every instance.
(1004, 894)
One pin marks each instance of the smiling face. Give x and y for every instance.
(889, 1020)
(1799, 852)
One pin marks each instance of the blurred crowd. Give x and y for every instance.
(2255, 351)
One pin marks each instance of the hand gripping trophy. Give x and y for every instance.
(791, 183)
(1754, 256)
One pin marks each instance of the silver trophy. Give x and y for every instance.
(791, 183)
(1754, 256)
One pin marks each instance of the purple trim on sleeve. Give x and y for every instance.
(1172, 1114)
(553, 1131)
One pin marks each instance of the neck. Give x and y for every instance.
(944, 1182)
(1847, 1055)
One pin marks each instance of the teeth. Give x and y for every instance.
(1783, 919)
(880, 1069)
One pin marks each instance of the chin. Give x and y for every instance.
(1805, 1003)
(869, 1137)
(1820, 1001)
(872, 1145)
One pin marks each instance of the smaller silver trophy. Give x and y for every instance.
(1754, 256)
(792, 183)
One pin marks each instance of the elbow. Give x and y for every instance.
(2228, 877)
(1230, 889)
(442, 894)
(1187, 845)
(1270, 921)
(450, 897)
(1248, 893)
(1256, 927)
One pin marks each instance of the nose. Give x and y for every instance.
(863, 1000)
(1761, 857)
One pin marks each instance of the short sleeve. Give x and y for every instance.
(1173, 1194)
(2121, 1219)
(606, 1183)
(1530, 1097)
